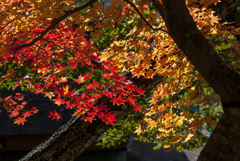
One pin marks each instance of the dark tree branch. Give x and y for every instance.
(56, 22)
(144, 19)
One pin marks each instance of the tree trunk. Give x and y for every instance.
(76, 136)
(224, 142)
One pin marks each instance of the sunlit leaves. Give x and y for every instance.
(79, 80)
(123, 42)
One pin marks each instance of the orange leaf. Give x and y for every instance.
(58, 101)
(14, 114)
(79, 80)
(26, 114)
(20, 120)
(34, 110)
(79, 112)
(149, 74)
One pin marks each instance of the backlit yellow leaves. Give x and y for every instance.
(132, 31)
(104, 56)
(65, 89)
(179, 122)
(140, 129)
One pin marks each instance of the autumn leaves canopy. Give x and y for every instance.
(42, 51)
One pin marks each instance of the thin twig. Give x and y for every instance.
(144, 19)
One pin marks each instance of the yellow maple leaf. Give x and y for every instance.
(153, 124)
(166, 146)
(104, 56)
(66, 88)
(188, 137)
(140, 129)
(179, 123)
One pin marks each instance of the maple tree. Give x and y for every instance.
(170, 48)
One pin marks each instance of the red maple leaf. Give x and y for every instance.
(101, 107)
(110, 118)
(24, 103)
(131, 100)
(140, 91)
(39, 90)
(19, 107)
(54, 115)
(101, 87)
(19, 98)
(108, 94)
(14, 114)
(137, 107)
(93, 85)
(26, 114)
(34, 110)
(86, 76)
(118, 100)
(20, 120)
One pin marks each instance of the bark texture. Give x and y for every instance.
(76, 136)
(224, 142)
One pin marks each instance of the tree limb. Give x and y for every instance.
(144, 19)
(56, 22)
